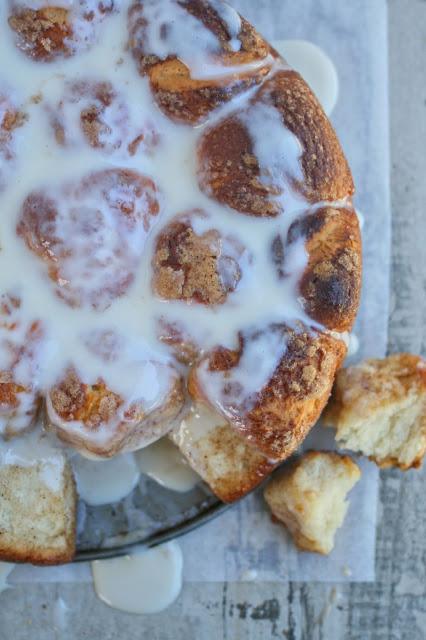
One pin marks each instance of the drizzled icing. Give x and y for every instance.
(35, 450)
(78, 33)
(66, 169)
(166, 29)
(261, 353)
(278, 152)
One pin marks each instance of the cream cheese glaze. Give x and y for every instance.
(145, 582)
(134, 136)
(105, 481)
(163, 462)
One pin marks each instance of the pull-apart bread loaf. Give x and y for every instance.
(189, 257)
(378, 408)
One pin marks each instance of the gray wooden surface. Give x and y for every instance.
(394, 608)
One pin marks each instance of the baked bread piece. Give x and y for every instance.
(378, 408)
(96, 420)
(46, 32)
(231, 171)
(223, 459)
(175, 86)
(309, 498)
(91, 253)
(200, 267)
(37, 510)
(330, 284)
(276, 157)
(276, 417)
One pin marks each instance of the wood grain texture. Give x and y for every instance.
(394, 608)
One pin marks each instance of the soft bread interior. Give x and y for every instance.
(309, 498)
(37, 510)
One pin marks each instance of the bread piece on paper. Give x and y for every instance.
(379, 409)
(309, 498)
(217, 452)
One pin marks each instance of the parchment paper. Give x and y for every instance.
(243, 544)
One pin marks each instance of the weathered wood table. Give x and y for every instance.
(395, 606)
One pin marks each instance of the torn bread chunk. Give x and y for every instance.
(309, 498)
(216, 451)
(379, 409)
(201, 267)
(37, 503)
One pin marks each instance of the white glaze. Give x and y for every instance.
(35, 449)
(199, 422)
(171, 31)
(105, 481)
(354, 345)
(145, 582)
(260, 357)
(84, 31)
(163, 462)
(315, 66)
(6, 569)
(140, 369)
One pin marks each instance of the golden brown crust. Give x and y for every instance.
(221, 456)
(181, 97)
(42, 33)
(247, 466)
(292, 400)
(379, 408)
(47, 33)
(326, 174)
(93, 405)
(229, 170)
(331, 283)
(105, 427)
(192, 267)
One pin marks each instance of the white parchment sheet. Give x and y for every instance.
(243, 543)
